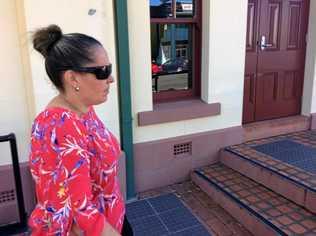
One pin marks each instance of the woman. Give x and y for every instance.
(73, 157)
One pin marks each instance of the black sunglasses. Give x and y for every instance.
(100, 72)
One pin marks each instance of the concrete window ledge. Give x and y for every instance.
(177, 111)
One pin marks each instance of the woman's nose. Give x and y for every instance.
(110, 79)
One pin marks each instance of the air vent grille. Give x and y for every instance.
(7, 196)
(182, 148)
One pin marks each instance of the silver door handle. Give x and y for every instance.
(263, 44)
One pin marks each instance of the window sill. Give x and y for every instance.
(178, 111)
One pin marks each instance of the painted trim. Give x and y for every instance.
(125, 107)
(177, 111)
(25, 59)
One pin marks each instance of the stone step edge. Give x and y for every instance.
(269, 169)
(240, 204)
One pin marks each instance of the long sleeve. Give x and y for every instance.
(75, 159)
(64, 183)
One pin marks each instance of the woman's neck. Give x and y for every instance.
(69, 102)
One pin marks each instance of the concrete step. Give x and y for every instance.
(285, 178)
(275, 127)
(262, 211)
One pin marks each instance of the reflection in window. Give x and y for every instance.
(160, 9)
(185, 8)
(171, 46)
(175, 49)
(171, 8)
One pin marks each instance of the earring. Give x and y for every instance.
(77, 89)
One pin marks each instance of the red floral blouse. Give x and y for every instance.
(73, 161)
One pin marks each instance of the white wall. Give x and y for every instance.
(140, 55)
(14, 113)
(72, 16)
(223, 46)
(309, 91)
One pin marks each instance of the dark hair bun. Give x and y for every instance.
(45, 38)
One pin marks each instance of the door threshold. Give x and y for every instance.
(274, 127)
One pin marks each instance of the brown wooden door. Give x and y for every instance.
(275, 58)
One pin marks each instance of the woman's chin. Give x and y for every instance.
(101, 100)
(104, 98)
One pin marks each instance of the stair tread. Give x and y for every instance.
(302, 172)
(268, 205)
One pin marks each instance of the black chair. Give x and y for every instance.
(20, 226)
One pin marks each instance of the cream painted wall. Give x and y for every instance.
(140, 55)
(14, 113)
(309, 91)
(72, 16)
(224, 33)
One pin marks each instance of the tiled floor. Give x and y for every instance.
(163, 215)
(215, 219)
(291, 152)
(292, 155)
(278, 212)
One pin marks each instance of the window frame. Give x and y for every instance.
(196, 23)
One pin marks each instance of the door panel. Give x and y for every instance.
(273, 19)
(278, 61)
(251, 62)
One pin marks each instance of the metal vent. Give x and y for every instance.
(182, 148)
(7, 196)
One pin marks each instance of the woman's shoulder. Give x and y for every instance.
(54, 114)
(56, 120)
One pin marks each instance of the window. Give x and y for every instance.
(175, 48)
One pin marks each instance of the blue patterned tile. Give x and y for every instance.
(138, 209)
(278, 146)
(146, 226)
(170, 217)
(196, 231)
(308, 165)
(178, 219)
(293, 153)
(165, 202)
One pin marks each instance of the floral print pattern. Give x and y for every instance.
(73, 161)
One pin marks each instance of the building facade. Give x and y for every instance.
(173, 128)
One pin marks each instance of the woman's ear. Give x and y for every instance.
(70, 79)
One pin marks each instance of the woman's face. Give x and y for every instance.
(93, 91)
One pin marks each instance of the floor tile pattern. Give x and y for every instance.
(291, 155)
(163, 215)
(275, 209)
(291, 152)
(216, 220)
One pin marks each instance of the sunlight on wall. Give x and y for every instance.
(222, 68)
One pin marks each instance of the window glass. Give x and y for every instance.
(171, 46)
(185, 8)
(164, 8)
(160, 8)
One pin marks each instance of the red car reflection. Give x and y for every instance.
(155, 69)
